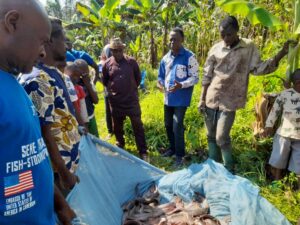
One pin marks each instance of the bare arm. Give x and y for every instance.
(90, 89)
(259, 67)
(79, 117)
(64, 212)
(202, 102)
(97, 77)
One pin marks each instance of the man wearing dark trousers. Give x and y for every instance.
(178, 73)
(121, 76)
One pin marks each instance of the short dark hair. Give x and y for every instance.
(296, 75)
(71, 66)
(230, 21)
(179, 31)
(56, 27)
(80, 63)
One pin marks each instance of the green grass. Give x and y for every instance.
(250, 154)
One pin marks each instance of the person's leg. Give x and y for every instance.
(178, 131)
(168, 117)
(92, 126)
(139, 134)
(108, 116)
(280, 155)
(118, 122)
(224, 125)
(210, 118)
(294, 162)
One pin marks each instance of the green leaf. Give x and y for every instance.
(87, 13)
(259, 15)
(78, 25)
(110, 5)
(117, 18)
(164, 15)
(187, 15)
(297, 31)
(138, 42)
(147, 3)
(95, 5)
(255, 14)
(236, 7)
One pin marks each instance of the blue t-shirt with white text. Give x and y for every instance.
(26, 177)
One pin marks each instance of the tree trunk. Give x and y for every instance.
(165, 41)
(152, 48)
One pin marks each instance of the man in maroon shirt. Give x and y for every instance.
(121, 76)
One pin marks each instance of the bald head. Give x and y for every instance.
(24, 30)
(21, 5)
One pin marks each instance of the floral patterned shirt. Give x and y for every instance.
(50, 99)
(286, 105)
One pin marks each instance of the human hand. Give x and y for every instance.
(65, 214)
(286, 45)
(86, 78)
(286, 84)
(68, 179)
(175, 87)
(201, 106)
(83, 130)
(268, 131)
(160, 86)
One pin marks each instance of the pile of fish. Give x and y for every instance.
(146, 210)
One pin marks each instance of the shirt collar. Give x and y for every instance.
(181, 52)
(241, 44)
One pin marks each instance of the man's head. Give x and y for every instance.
(176, 38)
(116, 47)
(24, 31)
(56, 48)
(229, 28)
(69, 44)
(296, 80)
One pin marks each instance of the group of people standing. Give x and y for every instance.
(51, 103)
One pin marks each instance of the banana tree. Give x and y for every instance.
(294, 54)
(258, 15)
(100, 16)
(145, 13)
(54, 8)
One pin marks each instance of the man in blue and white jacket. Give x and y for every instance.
(178, 73)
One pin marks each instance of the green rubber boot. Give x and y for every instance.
(228, 159)
(214, 152)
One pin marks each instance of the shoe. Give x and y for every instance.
(168, 153)
(108, 137)
(145, 157)
(178, 162)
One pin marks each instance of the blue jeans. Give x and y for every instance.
(174, 117)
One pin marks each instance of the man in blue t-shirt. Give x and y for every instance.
(178, 73)
(26, 177)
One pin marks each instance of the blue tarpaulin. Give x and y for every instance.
(110, 176)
